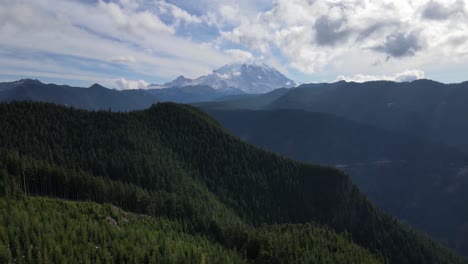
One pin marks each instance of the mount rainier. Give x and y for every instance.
(248, 78)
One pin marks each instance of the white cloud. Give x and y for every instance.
(312, 39)
(325, 35)
(409, 75)
(230, 13)
(405, 76)
(137, 23)
(254, 36)
(180, 15)
(240, 55)
(124, 84)
(103, 31)
(123, 59)
(129, 4)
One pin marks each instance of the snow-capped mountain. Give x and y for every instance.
(249, 78)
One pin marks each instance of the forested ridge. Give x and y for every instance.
(418, 181)
(174, 163)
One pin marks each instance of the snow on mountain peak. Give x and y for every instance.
(250, 78)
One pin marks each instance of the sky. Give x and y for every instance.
(128, 44)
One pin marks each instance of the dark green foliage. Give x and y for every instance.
(190, 200)
(40, 230)
(274, 242)
(175, 161)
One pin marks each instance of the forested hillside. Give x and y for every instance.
(38, 230)
(418, 181)
(174, 163)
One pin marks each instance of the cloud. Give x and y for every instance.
(98, 31)
(329, 32)
(124, 84)
(400, 45)
(409, 76)
(134, 22)
(123, 59)
(178, 14)
(318, 36)
(253, 36)
(230, 13)
(405, 76)
(240, 55)
(437, 11)
(310, 39)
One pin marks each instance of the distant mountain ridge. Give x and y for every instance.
(247, 78)
(422, 183)
(96, 97)
(191, 94)
(371, 130)
(422, 108)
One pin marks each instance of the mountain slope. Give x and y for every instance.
(175, 161)
(190, 94)
(93, 98)
(52, 231)
(422, 108)
(249, 78)
(420, 182)
(114, 235)
(246, 101)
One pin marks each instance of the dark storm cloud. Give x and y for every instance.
(329, 32)
(436, 11)
(400, 45)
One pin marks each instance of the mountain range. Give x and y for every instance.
(380, 133)
(237, 78)
(229, 80)
(422, 108)
(396, 140)
(423, 183)
(181, 189)
(96, 97)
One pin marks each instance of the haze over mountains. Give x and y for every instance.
(421, 182)
(423, 108)
(404, 144)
